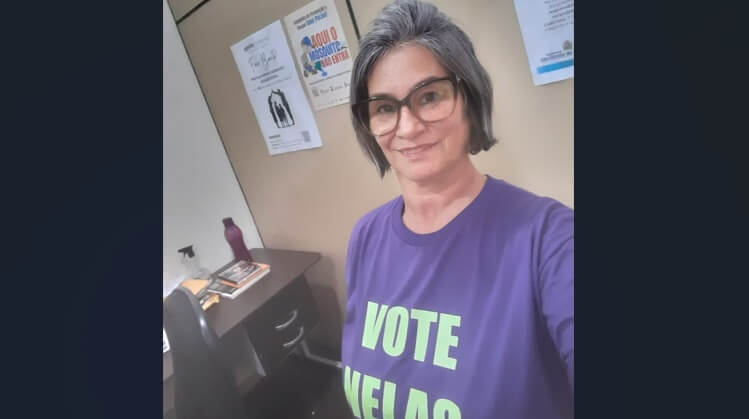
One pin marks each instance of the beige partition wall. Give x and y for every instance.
(310, 200)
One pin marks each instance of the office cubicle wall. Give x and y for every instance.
(310, 200)
(180, 8)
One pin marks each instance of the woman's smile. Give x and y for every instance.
(417, 151)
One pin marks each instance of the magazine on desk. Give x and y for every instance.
(234, 278)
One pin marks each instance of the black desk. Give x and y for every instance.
(269, 303)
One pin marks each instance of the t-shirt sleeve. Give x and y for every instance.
(352, 253)
(353, 265)
(557, 281)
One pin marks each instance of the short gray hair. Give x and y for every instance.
(420, 23)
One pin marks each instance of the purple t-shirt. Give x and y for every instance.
(473, 321)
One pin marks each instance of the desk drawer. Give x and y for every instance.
(282, 322)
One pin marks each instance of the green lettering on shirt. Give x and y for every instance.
(395, 320)
(368, 402)
(388, 401)
(424, 320)
(396, 329)
(446, 340)
(417, 406)
(373, 324)
(444, 408)
(351, 388)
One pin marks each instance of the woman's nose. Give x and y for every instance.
(408, 123)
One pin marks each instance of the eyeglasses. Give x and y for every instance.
(429, 101)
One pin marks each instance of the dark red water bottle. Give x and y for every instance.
(233, 235)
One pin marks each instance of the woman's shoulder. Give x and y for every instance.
(377, 218)
(522, 205)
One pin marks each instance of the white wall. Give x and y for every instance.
(200, 187)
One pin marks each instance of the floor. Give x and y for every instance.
(300, 389)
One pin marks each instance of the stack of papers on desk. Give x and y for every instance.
(199, 288)
(234, 278)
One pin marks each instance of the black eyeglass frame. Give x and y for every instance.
(361, 109)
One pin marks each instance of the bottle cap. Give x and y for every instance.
(228, 221)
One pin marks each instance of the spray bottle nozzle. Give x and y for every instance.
(187, 251)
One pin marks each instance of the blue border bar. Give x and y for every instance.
(556, 66)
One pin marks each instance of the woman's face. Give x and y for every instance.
(417, 150)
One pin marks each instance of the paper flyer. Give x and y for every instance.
(548, 33)
(322, 53)
(272, 85)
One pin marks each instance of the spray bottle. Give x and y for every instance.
(190, 261)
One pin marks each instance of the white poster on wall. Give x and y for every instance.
(322, 52)
(548, 33)
(272, 85)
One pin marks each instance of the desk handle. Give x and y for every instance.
(295, 340)
(288, 322)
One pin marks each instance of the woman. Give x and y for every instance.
(460, 291)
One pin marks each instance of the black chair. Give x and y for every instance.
(204, 386)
